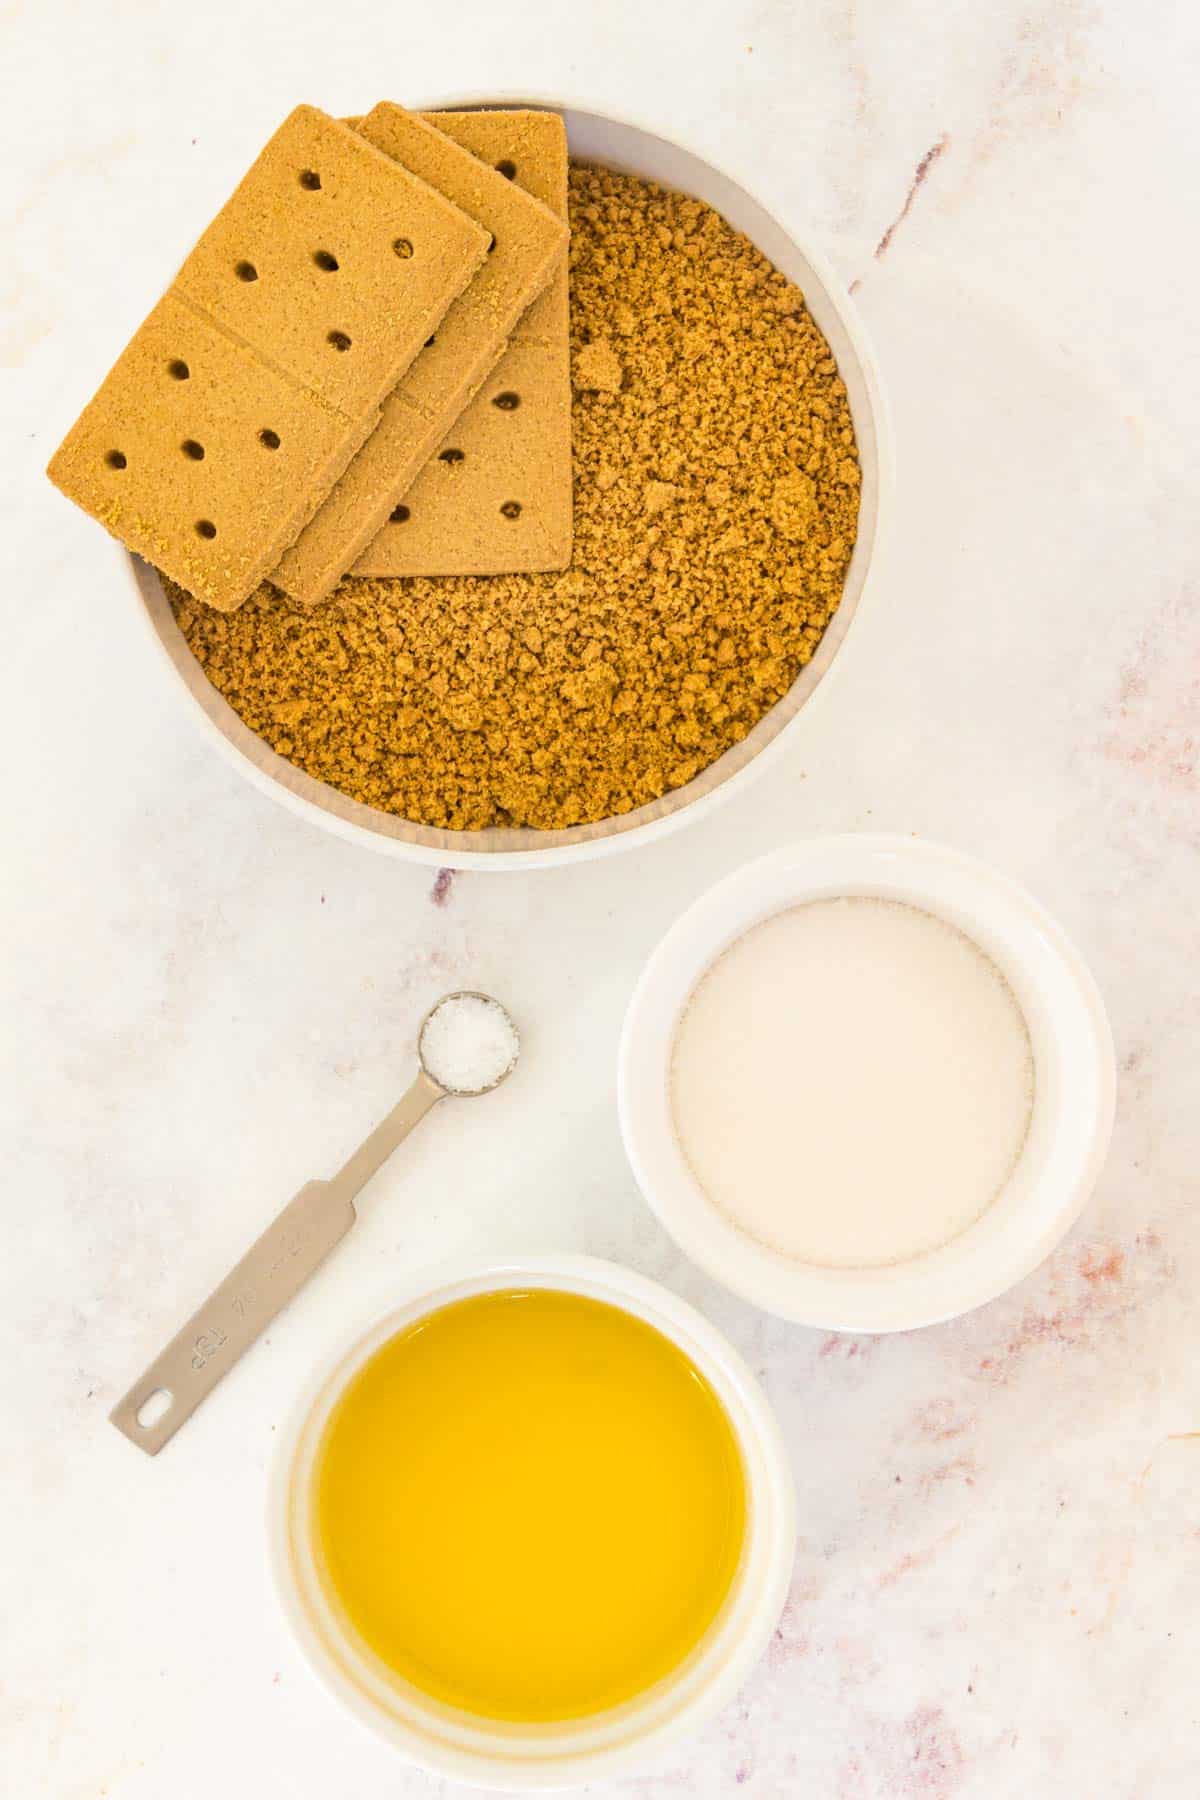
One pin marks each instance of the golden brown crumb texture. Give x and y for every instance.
(716, 502)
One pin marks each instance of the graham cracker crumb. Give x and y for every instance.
(716, 504)
(795, 507)
(597, 368)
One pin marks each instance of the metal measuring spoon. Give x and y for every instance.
(299, 1240)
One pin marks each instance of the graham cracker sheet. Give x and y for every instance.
(497, 497)
(528, 242)
(245, 393)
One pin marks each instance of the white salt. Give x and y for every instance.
(852, 1082)
(468, 1043)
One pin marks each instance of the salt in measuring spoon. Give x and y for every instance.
(467, 1045)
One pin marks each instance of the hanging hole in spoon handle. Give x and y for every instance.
(235, 1314)
(295, 1244)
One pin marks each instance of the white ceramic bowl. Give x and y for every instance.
(628, 147)
(1075, 1083)
(524, 1758)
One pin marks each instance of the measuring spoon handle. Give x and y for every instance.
(275, 1268)
(234, 1314)
(374, 1151)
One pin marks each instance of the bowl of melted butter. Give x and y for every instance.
(535, 1524)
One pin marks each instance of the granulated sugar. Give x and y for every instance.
(852, 1082)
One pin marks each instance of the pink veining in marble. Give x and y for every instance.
(962, 1469)
(912, 1560)
(919, 1755)
(840, 1345)
(939, 1421)
(920, 174)
(1095, 1288)
(789, 1642)
(440, 892)
(1154, 727)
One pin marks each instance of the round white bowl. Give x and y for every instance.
(524, 1758)
(625, 146)
(1074, 1084)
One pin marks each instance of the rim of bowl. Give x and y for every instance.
(525, 848)
(523, 1759)
(1074, 1092)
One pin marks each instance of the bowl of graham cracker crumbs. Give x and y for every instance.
(730, 474)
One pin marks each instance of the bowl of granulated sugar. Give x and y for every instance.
(866, 1082)
(730, 474)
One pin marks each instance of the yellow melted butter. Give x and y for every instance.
(530, 1505)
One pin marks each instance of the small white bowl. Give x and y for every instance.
(595, 137)
(1074, 1075)
(524, 1758)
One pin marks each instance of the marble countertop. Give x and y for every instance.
(207, 1001)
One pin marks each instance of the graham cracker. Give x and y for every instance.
(252, 383)
(458, 516)
(528, 240)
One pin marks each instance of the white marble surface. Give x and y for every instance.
(998, 1585)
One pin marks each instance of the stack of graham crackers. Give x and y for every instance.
(363, 364)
